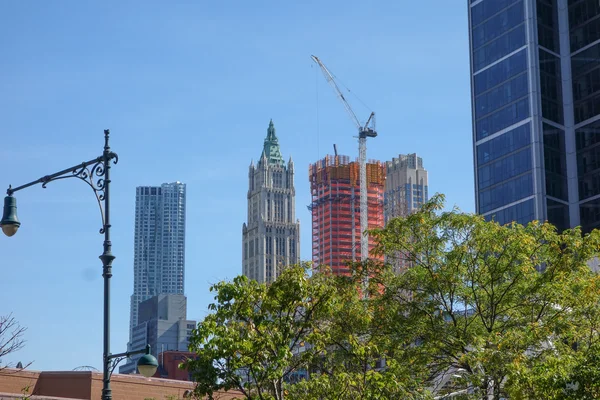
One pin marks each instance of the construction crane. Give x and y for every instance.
(364, 131)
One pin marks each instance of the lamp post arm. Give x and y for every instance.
(91, 172)
(128, 354)
(76, 171)
(114, 359)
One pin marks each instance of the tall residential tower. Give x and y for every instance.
(335, 210)
(535, 80)
(406, 186)
(271, 236)
(159, 244)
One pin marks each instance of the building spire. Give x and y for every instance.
(271, 150)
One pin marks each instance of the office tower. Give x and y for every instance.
(271, 237)
(159, 244)
(163, 324)
(406, 187)
(535, 76)
(335, 209)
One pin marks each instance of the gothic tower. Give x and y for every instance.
(271, 236)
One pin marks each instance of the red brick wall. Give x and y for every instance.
(88, 385)
(169, 365)
(14, 380)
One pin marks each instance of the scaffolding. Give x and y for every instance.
(335, 209)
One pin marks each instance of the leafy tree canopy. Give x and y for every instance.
(479, 309)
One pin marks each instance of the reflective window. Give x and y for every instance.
(587, 83)
(547, 14)
(504, 168)
(585, 61)
(583, 24)
(503, 118)
(504, 144)
(500, 72)
(590, 215)
(498, 48)
(558, 214)
(498, 25)
(486, 9)
(550, 87)
(522, 213)
(587, 108)
(555, 165)
(588, 172)
(588, 135)
(505, 193)
(501, 95)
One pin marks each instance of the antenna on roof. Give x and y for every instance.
(335, 149)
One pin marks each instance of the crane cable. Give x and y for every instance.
(351, 92)
(317, 111)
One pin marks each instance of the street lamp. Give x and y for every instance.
(95, 173)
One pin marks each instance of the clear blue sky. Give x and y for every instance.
(187, 89)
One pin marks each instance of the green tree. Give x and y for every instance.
(253, 338)
(350, 346)
(489, 306)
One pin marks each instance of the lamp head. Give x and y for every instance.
(10, 223)
(147, 364)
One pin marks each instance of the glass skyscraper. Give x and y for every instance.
(535, 85)
(159, 244)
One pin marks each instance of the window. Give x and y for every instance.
(499, 47)
(504, 168)
(503, 118)
(504, 144)
(505, 193)
(521, 213)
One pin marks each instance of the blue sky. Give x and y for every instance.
(187, 89)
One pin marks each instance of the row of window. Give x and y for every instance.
(587, 108)
(500, 72)
(550, 86)
(554, 162)
(499, 48)
(487, 9)
(505, 168)
(588, 160)
(548, 25)
(586, 84)
(582, 11)
(589, 185)
(503, 118)
(584, 24)
(504, 144)
(505, 193)
(588, 135)
(584, 35)
(590, 215)
(558, 214)
(521, 213)
(498, 25)
(501, 95)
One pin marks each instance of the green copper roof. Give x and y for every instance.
(271, 149)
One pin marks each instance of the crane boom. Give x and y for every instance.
(330, 79)
(364, 131)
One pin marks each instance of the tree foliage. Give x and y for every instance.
(497, 308)
(485, 310)
(248, 342)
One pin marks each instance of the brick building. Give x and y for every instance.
(88, 385)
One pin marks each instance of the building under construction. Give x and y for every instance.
(335, 209)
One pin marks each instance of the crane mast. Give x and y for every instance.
(364, 131)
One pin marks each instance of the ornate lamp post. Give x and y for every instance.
(95, 173)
